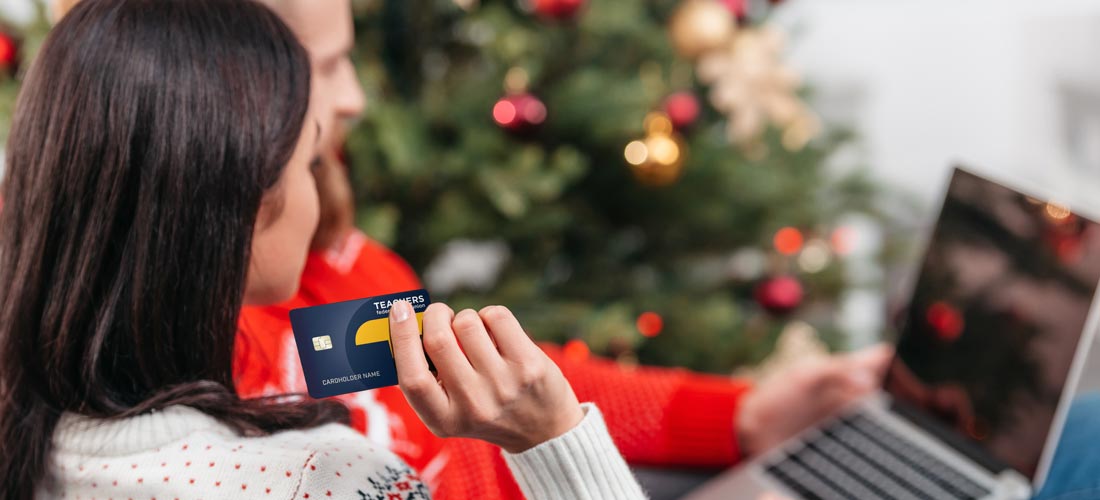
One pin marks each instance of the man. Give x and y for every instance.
(657, 416)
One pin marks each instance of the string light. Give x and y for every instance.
(516, 80)
(815, 257)
(658, 158)
(636, 153)
(788, 241)
(504, 112)
(841, 240)
(517, 111)
(576, 350)
(650, 324)
(663, 149)
(657, 123)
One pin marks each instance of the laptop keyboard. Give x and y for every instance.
(857, 458)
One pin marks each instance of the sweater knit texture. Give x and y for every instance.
(180, 452)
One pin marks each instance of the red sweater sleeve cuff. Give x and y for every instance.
(700, 421)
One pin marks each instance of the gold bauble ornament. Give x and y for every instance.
(657, 159)
(699, 26)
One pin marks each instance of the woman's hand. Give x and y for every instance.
(493, 382)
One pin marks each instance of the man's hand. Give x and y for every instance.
(788, 402)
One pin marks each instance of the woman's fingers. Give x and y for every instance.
(511, 340)
(475, 342)
(416, 380)
(442, 346)
(514, 403)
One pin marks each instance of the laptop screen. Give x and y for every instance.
(993, 325)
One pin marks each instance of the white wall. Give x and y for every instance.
(1010, 85)
(18, 11)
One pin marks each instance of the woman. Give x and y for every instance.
(158, 178)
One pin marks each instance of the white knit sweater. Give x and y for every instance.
(181, 453)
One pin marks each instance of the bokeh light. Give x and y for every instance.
(576, 350)
(636, 153)
(650, 324)
(945, 320)
(788, 241)
(504, 113)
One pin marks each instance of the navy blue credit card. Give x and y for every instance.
(345, 346)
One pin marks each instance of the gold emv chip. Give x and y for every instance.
(322, 343)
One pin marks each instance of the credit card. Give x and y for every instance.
(345, 346)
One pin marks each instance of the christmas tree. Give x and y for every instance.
(638, 178)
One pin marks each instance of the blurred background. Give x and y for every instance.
(684, 182)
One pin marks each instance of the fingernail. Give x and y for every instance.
(400, 311)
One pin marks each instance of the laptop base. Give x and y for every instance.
(866, 453)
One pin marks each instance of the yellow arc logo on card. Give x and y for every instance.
(378, 330)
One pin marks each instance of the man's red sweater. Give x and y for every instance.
(657, 416)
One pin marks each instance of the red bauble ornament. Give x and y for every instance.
(682, 109)
(8, 49)
(558, 9)
(779, 295)
(519, 112)
(9, 54)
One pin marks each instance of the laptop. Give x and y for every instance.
(989, 351)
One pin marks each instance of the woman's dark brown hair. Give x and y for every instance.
(144, 140)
